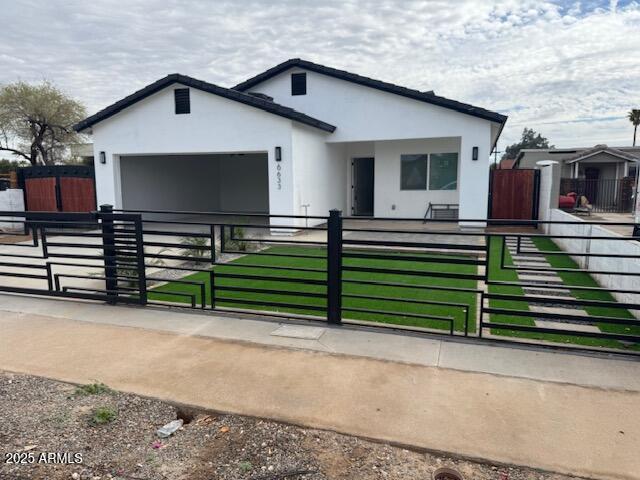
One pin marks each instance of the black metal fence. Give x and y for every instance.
(464, 278)
(605, 195)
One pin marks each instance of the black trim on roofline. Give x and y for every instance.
(427, 97)
(230, 94)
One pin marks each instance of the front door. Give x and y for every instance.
(591, 176)
(362, 186)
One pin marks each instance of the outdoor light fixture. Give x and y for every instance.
(474, 154)
(278, 154)
(103, 157)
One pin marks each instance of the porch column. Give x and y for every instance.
(473, 187)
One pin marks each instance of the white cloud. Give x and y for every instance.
(569, 70)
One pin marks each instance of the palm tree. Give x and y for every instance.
(634, 117)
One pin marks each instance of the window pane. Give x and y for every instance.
(413, 172)
(443, 171)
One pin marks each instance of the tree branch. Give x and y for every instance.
(16, 152)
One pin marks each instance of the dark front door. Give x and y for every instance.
(591, 176)
(362, 186)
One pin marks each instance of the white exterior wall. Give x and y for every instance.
(389, 200)
(620, 247)
(366, 114)
(11, 200)
(549, 180)
(315, 166)
(363, 113)
(318, 171)
(215, 125)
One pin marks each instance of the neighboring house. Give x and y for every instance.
(506, 164)
(599, 162)
(298, 134)
(605, 175)
(82, 152)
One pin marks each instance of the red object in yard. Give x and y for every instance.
(568, 200)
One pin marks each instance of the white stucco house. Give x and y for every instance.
(299, 134)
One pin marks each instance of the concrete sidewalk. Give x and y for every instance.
(613, 372)
(589, 431)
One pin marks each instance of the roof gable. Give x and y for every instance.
(261, 103)
(427, 97)
(601, 149)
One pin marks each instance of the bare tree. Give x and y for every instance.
(36, 121)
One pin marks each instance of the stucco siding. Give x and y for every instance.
(390, 200)
(363, 113)
(319, 176)
(215, 125)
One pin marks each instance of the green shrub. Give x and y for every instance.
(237, 242)
(194, 247)
(104, 415)
(96, 388)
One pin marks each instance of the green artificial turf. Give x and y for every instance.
(582, 279)
(579, 279)
(289, 292)
(396, 298)
(498, 274)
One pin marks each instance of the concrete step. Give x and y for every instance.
(538, 273)
(551, 292)
(551, 298)
(541, 279)
(558, 310)
(522, 264)
(566, 326)
(529, 258)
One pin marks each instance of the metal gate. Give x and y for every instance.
(514, 194)
(77, 255)
(58, 188)
(514, 284)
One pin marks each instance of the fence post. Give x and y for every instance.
(140, 260)
(334, 267)
(109, 249)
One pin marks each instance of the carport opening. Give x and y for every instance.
(237, 182)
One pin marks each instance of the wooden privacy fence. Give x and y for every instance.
(514, 194)
(58, 188)
(9, 179)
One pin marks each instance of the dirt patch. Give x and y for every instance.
(39, 416)
(10, 239)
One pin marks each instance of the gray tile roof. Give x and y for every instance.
(427, 97)
(251, 100)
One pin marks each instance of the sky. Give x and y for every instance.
(568, 69)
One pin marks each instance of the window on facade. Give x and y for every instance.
(443, 171)
(413, 172)
(298, 84)
(181, 97)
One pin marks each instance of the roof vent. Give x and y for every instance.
(261, 95)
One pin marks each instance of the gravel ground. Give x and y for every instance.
(40, 416)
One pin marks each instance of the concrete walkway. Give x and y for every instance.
(550, 285)
(420, 392)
